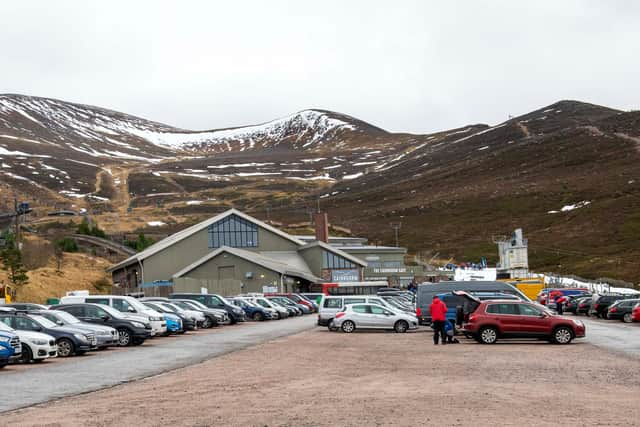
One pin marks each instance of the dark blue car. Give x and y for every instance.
(252, 311)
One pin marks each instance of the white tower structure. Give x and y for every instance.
(514, 255)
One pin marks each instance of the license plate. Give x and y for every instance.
(94, 342)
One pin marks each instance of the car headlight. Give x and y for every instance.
(38, 341)
(82, 337)
(5, 339)
(156, 319)
(138, 324)
(578, 322)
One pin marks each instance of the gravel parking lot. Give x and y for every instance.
(370, 378)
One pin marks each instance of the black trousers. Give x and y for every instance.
(559, 307)
(438, 331)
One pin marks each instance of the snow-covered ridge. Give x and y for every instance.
(61, 121)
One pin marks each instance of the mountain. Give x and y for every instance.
(567, 173)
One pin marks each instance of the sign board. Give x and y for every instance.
(269, 289)
(345, 275)
(204, 290)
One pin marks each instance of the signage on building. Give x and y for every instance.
(372, 258)
(269, 289)
(344, 276)
(390, 270)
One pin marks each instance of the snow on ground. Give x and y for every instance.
(156, 223)
(194, 202)
(353, 176)
(479, 133)
(363, 164)
(318, 159)
(325, 177)
(239, 165)
(569, 208)
(6, 152)
(332, 167)
(483, 148)
(257, 173)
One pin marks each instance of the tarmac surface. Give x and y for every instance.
(25, 385)
(613, 335)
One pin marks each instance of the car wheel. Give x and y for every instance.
(258, 317)
(348, 326)
(627, 318)
(3, 364)
(124, 337)
(65, 347)
(208, 323)
(137, 341)
(401, 326)
(26, 355)
(488, 335)
(562, 335)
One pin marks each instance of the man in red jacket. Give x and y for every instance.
(438, 317)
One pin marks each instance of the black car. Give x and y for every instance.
(70, 341)
(622, 310)
(600, 304)
(25, 306)
(213, 317)
(131, 330)
(236, 314)
(571, 305)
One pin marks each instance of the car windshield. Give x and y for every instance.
(112, 311)
(183, 305)
(224, 300)
(196, 304)
(65, 317)
(170, 307)
(157, 307)
(44, 321)
(4, 327)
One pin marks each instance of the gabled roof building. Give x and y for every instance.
(233, 253)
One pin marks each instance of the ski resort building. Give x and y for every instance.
(235, 253)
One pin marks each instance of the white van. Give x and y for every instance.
(332, 304)
(125, 304)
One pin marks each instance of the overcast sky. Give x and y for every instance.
(415, 66)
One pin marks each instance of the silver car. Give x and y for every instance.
(372, 316)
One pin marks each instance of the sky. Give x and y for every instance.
(405, 66)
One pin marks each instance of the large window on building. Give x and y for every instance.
(233, 231)
(331, 260)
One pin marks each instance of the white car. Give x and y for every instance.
(125, 304)
(36, 346)
(372, 316)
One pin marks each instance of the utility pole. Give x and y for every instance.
(396, 228)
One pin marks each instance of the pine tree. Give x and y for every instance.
(12, 262)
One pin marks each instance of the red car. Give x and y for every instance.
(488, 321)
(635, 313)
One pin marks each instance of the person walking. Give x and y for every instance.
(560, 303)
(438, 317)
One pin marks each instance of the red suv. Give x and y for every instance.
(489, 320)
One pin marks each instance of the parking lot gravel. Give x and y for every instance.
(319, 378)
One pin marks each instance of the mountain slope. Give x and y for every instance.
(567, 173)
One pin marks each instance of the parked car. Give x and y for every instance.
(600, 304)
(622, 310)
(213, 316)
(70, 341)
(132, 330)
(313, 297)
(372, 316)
(176, 322)
(282, 313)
(426, 292)
(106, 336)
(36, 346)
(254, 311)
(584, 306)
(635, 313)
(291, 309)
(10, 346)
(302, 307)
(495, 319)
(124, 304)
(330, 305)
(298, 299)
(236, 314)
(26, 306)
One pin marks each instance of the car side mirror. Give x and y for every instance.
(59, 323)
(131, 309)
(105, 317)
(543, 315)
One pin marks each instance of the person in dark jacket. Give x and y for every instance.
(560, 303)
(438, 318)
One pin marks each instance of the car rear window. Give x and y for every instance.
(332, 303)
